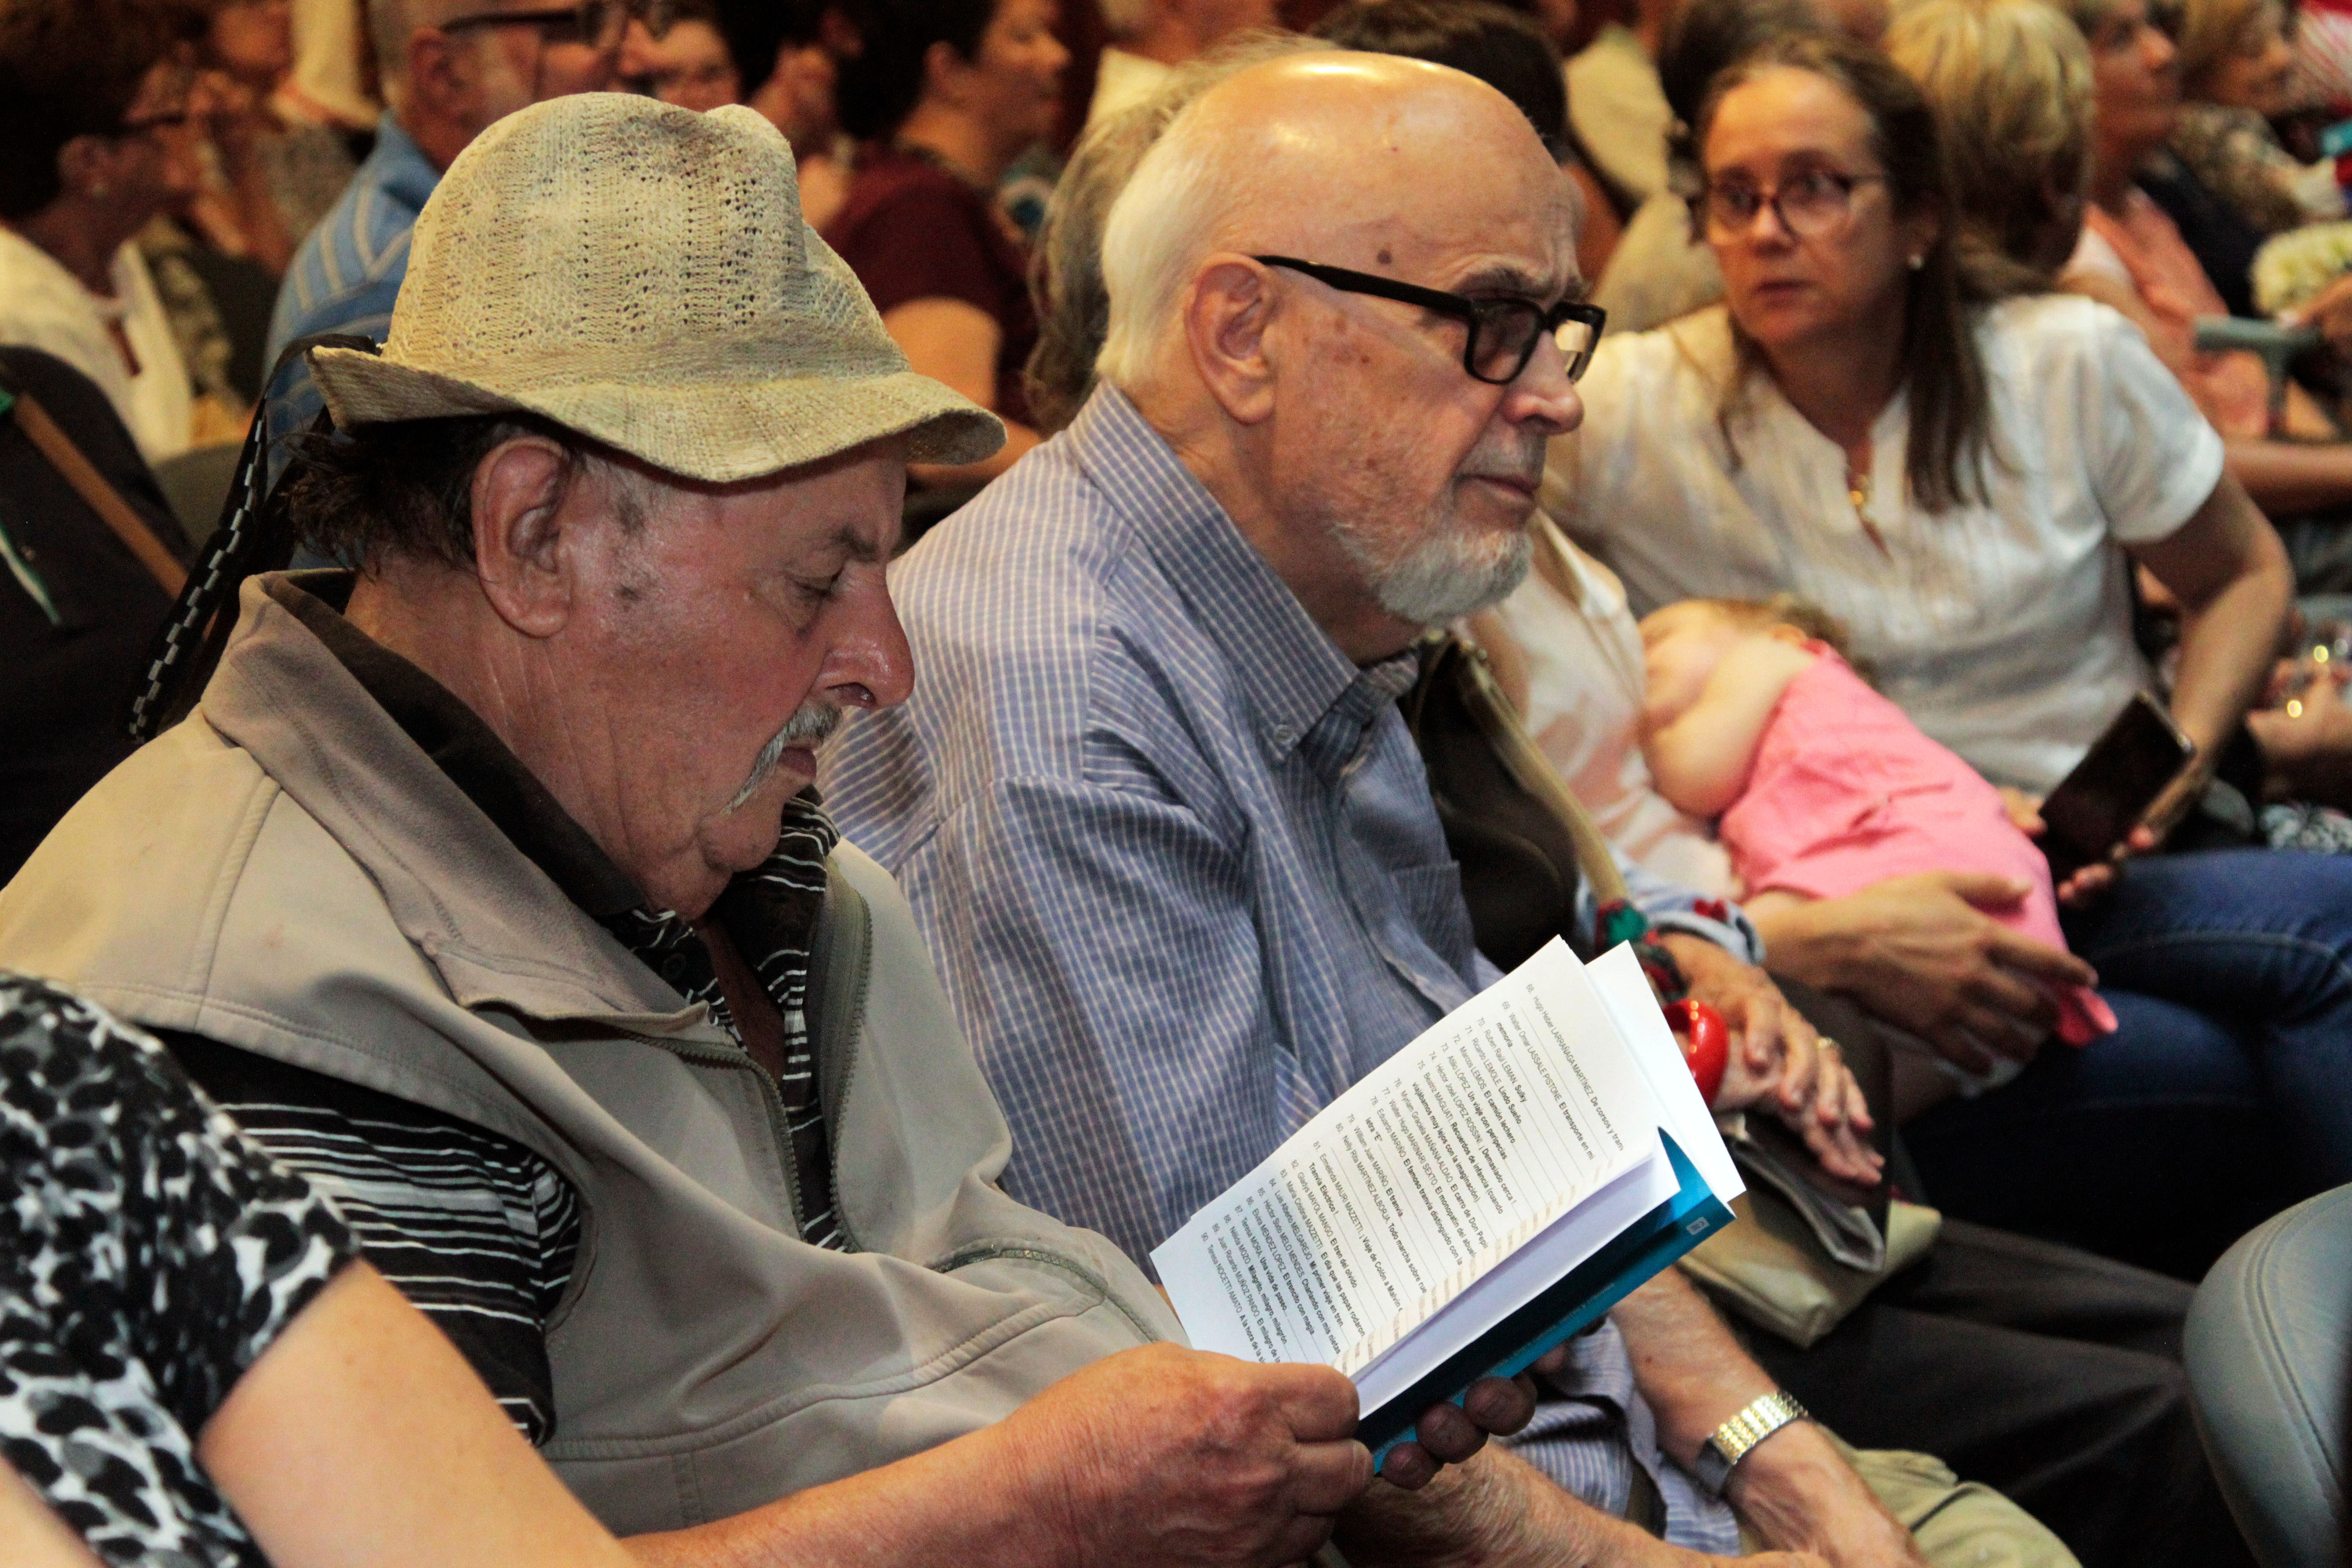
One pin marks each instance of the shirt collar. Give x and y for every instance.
(399, 167)
(465, 748)
(1296, 680)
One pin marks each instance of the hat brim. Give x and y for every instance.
(717, 433)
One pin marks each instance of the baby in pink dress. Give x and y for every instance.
(1822, 785)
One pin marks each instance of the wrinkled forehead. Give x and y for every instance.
(1787, 116)
(1429, 185)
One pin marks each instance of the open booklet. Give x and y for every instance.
(1485, 1193)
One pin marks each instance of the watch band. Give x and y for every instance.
(1735, 1437)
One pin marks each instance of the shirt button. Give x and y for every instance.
(1281, 734)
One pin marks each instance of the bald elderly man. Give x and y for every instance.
(1154, 806)
(482, 886)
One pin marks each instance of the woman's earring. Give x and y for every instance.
(1918, 262)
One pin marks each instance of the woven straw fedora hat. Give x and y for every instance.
(642, 274)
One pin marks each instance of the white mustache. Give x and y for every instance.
(808, 727)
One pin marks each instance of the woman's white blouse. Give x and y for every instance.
(2003, 629)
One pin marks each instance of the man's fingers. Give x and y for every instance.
(1319, 1402)
(1450, 1436)
(1408, 1467)
(1499, 1404)
(1554, 1360)
(1326, 1477)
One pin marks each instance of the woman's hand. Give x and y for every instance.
(2331, 313)
(2089, 883)
(1922, 953)
(1778, 1064)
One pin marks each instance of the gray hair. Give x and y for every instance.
(1066, 271)
(1180, 197)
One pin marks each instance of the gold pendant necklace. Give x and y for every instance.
(1857, 490)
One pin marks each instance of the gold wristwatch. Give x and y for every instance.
(1735, 1437)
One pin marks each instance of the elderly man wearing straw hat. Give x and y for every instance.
(464, 887)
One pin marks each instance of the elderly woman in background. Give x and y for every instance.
(2235, 66)
(96, 139)
(944, 96)
(2135, 256)
(1965, 479)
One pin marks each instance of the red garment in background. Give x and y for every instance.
(911, 230)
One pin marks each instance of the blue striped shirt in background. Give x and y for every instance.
(348, 271)
(1177, 861)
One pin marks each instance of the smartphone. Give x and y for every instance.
(2095, 807)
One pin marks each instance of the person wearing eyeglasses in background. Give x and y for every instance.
(689, 64)
(95, 139)
(450, 68)
(1966, 475)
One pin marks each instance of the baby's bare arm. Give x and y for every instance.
(1700, 760)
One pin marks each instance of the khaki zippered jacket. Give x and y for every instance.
(287, 872)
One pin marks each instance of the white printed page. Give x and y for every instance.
(1435, 1167)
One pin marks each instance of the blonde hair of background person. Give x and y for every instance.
(2011, 83)
(1065, 274)
(2213, 33)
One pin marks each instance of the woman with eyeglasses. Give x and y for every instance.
(1965, 480)
(95, 139)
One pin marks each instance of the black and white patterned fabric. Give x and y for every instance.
(475, 1230)
(149, 1253)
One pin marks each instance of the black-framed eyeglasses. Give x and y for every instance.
(1808, 204)
(599, 24)
(1503, 331)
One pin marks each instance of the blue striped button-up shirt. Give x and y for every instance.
(1176, 858)
(348, 271)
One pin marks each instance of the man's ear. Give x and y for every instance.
(944, 70)
(1226, 314)
(522, 554)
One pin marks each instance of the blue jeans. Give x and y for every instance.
(2226, 1093)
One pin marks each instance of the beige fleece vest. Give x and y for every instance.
(287, 872)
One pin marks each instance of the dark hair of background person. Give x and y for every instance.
(881, 86)
(1502, 47)
(72, 68)
(1951, 412)
(1707, 37)
(405, 489)
(754, 30)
